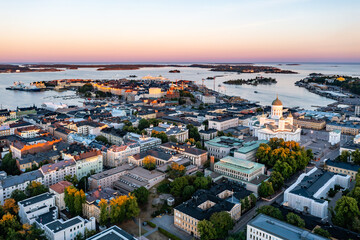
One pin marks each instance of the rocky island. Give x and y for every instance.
(255, 81)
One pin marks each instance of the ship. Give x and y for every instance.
(19, 86)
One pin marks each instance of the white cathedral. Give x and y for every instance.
(276, 125)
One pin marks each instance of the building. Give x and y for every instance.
(208, 99)
(91, 208)
(307, 194)
(310, 123)
(357, 110)
(146, 143)
(180, 132)
(69, 229)
(197, 156)
(56, 172)
(89, 127)
(223, 146)
(248, 150)
(112, 233)
(246, 172)
(87, 160)
(223, 123)
(58, 190)
(107, 178)
(351, 128)
(161, 157)
(117, 155)
(206, 202)
(207, 135)
(334, 137)
(31, 208)
(114, 136)
(342, 168)
(263, 227)
(276, 126)
(20, 182)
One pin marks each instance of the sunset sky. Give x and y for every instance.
(179, 31)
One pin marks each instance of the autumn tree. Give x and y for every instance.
(10, 206)
(74, 199)
(149, 162)
(104, 213)
(35, 188)
(176, 170)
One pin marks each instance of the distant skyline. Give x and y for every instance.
(180, 31)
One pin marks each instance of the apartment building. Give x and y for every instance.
(58, 189)
(117, 155)
(180, 132)
(223, 123)
(345, 128)
(197, 156)
(342, 168)
(56, 172)
(114, 136)
(146, 143)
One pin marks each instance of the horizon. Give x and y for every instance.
(180, 31)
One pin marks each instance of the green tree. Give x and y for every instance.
(132, 208)
(296, 220)
(284, 168)
(202, 183)
(270, 211)
(206, 230)
(18, 195)
(265, 189)
(222, 222)
(35, 188)
(173, 139)
(161, 135)
(193, 132)
(355, 156)
(220, 133)
(344, 156)
(178, 185)
(104, 213)
(322, 232)
(143, 123)
(252, 200)
(346, 208)
(8, 164)
(141, 194)
(188, 192)
(246, 203)
(102, 139)
(277, 180)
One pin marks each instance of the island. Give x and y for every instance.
(243, 68)
(174, 71)
(254, 81)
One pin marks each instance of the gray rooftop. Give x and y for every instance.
(112, 233)
(16, 180)
(57, 226)
(36, 199)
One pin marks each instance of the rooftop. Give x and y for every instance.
(36, 199)
(112, 233)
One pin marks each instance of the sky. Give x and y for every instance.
(180, 31)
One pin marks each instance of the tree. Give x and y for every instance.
(35, 188)
(143, 123)
(18, 195)
(193, 132)
(104, 214)
(102, 139)
(188, 192)
(149, 162)
(132, 207)
(246, 203)
(322, 232)
(252, 200)
(206, 230)
(161, 135)
(222, 222)
(266, 189)
(296, 220)
(74, 200)
(8, 164)
(344, 156)
(284, 168)
(176, 170)
(178, 185)
(355, 156)
(79, 199)
(10, 206)
(220, 133)
(141, 194)
(202, 183)
(117, 209)
(173, 139)
(346, 208)
(270, 211)
(277, 180)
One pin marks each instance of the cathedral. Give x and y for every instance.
(276, 125)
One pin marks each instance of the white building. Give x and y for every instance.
(117, 155)
(58, 190)
(264, 227)
(69, 229)
(31, 208)
(20, 182)
(276, 126)
(222, 146)
(209, 99)
(309, 190)
(146, 143)
(334, 137)
(56, 172)
(223, 123)
(180, 132)
(113, 232)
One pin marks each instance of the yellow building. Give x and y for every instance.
(342, 168)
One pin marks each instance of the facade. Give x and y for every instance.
(209, 99)
(31, 208)
(345, 128)
(223, 123)
(334, 137)
(114, 136)
(107, 178)
(113, 233)
(58, 190)
(342, 168)
(69, 229)
(306, 193)
(223, 146)
(203, 204)
(180, 132)
(276, 126)
(146, 143)
(56, 172)
(20, 182)
(316, 124)
(248, 150)
(263, 227)
(117, 155)
(89, 127)
(161, 157)
(197, 156)
(207, 135)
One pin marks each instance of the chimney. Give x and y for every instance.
(212, 162)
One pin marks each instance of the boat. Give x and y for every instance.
(132, 76)
(19, 86)
(255, 91)
(210, 78)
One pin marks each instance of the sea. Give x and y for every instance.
(289, 94)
